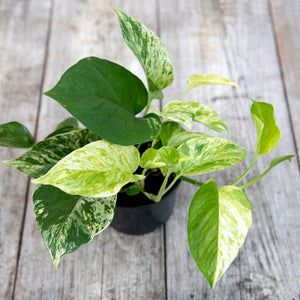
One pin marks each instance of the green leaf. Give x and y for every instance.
(133, 190)
(69, 221)
(67, 125)
(105, 97)
(218, 222)
(206, 79)
(99, 169)
(150, 51)
(15, 135)
(268, 133)
(209, 154)
(187, 112)
(163, 157)
(39, 159)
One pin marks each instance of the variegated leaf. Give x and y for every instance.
(39, 159)
(209, 154)
(187, 112)
(218, 222)
(100, 169)
(196, 80)
(150, 51)
(69, 221)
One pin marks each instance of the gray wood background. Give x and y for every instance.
(253, 43)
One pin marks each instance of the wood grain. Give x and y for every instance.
(23, 31)
(114, 265)
(235, 39)
(253, 43)
(286, 19)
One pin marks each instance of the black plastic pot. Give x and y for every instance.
(138, 215)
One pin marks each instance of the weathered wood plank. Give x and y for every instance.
(114, 265)
(286, 20)
(23, 30)
(235, 39)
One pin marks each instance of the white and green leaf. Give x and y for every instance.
(99, 169)
(197, 80)
(218, 222)
(173, 135)
(150, 51)
(268, 133)
(15, 135)
(39, 159)
(209, 154)
(189, 112)
(69, 221)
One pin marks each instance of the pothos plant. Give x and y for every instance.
(80, 172)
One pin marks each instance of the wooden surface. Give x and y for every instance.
(254, 43)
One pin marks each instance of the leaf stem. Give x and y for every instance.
(162, 188)
(238, 180)
(182, 97)
(189, 180)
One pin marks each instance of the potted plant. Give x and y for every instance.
(81, 172)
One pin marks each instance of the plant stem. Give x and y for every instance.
(192, 181)
(247, 171)
(182, 97)
(171, 184)
(162, 188)
(254, 180)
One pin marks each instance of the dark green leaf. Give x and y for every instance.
(218, 222)
(67, 125)
(15, 135)
(105, 97)
(38, 160)
(69, 221)
(268, 133)
(150, 51)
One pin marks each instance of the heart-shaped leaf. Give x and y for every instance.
(69, 221)
(150, 51)
(99, 169)
(209, 154)
(218, 222)
(105, 97)
(268, 133)
(39, 159)
(187, 112)
(15, 135)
